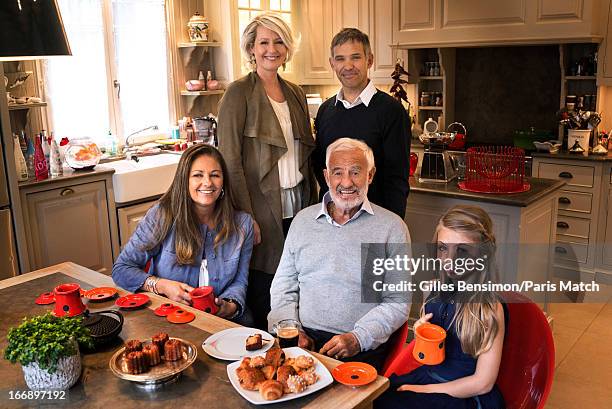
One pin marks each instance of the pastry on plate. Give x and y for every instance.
(250, 378)
(271, 390)
(254, 342)
(275, 357)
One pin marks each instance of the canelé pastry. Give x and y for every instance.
(296, 384)
(136, 362)
(254, 342)
(271, 390)
(151, 352)
(173, 350)
(133, 345)
(159, 340)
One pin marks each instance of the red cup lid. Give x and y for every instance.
(165, 309)
(67, 288)
(45, 299)
(201, 291)
(132, 301)
(354, 373)
(100, 293)
(180, 316)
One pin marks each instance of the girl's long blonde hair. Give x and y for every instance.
(476, 318)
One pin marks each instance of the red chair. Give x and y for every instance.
(398, 345)
(528, 358)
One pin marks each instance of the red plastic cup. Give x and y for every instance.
(414, 161)
(68, 300)
(203, 298)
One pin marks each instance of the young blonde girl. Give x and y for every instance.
(474, 322)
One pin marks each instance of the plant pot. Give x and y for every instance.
(67, 374)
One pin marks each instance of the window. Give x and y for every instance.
(247, 9)
(117, 78)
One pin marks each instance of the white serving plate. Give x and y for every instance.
(230, 344)
(325, 379)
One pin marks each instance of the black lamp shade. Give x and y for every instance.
(31, 29)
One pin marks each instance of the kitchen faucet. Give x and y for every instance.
(127, 139)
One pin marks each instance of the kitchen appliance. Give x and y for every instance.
(437, 165)
(205, 128)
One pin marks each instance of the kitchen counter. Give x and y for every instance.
(573, 156)
(70, 175)
(539, 188)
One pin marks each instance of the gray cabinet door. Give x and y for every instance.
(70, 224)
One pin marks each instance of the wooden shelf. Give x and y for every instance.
(15, 107)
(437, 77)
(581, 77)
(430, 108)
(202, 93)
(206, 44)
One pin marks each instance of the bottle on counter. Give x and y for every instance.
(20, 163)
(40, 163)
(56, 162)
(46, 147)
(29, 157)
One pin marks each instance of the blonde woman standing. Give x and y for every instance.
(265, 137)
(474, 324)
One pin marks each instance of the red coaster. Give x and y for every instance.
(180, 316)
(100, 293)
(132, 301)
(165, 309)
(45, 299)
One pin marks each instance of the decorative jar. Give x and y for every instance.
(198, 28)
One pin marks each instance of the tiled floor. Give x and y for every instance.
(583, 346)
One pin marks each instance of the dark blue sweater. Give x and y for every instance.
(384, 125)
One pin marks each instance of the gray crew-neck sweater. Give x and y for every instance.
(318, 281)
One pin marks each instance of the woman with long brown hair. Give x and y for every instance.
(474, 323)
(194, 236)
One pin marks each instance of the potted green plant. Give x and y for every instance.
(47, 347)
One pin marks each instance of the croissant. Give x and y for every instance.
(271, 389)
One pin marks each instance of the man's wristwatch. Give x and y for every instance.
(238, 308)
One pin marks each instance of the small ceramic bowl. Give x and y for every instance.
(194, 85)
(549, 146)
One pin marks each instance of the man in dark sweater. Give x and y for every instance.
(362, 112)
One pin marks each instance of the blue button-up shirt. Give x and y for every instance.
(228, 264)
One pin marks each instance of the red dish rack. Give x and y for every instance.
(495, 169)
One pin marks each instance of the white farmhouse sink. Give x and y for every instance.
(150, 176)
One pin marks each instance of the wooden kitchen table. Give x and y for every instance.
(204, 384)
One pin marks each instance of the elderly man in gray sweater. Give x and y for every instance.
(319, 281)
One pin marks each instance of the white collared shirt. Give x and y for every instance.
(366, 206)
(363, 98)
